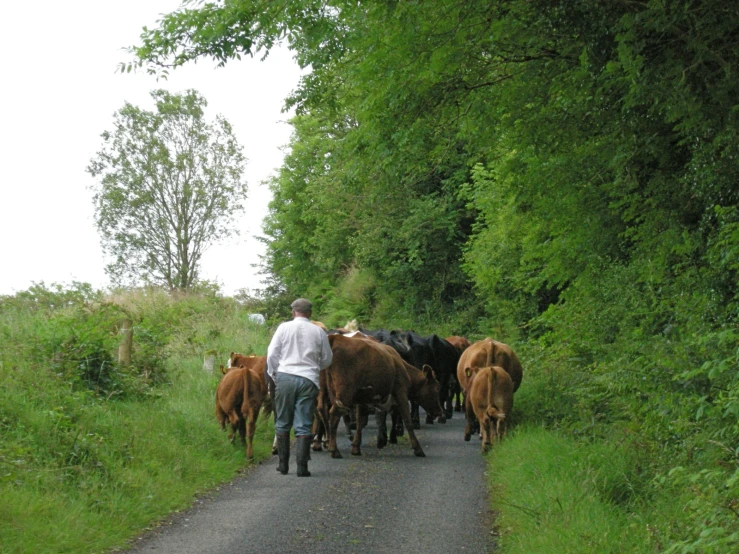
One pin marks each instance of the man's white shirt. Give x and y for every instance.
(299, 348)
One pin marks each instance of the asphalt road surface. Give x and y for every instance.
(385, 501)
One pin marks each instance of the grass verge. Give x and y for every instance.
(129, 464)
(555, 495)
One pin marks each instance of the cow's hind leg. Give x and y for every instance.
(242, 430)
(396, 425)
(487, 430)
(318, 432)
(349, 424)
(335, 414)
(398, 429)
(361, 423)
(251, 426)
(405, 413)
(380, 420)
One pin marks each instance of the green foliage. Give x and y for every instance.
(352, 299)
(168, 183)
(92, 452)
(711, 508)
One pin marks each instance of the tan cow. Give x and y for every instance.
(365, 372)
(240, 395)
(489, 352)
(489, 401)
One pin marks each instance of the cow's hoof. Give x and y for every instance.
(274, 452)
(467, 437)
(442, 420)
(356, 451)
(419, 452)
(336, 455)
(393, 441)
(317, 447)
(457, 408)
(429, 420)
(381, 443)
(449, 414)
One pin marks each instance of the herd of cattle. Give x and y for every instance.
(389, 372)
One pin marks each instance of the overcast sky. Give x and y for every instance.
(59, 92)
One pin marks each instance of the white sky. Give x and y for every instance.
(59, 92)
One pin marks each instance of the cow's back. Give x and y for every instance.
(460, 344)
(230, 393)
(479, 354)
(505, 357)
(358, 365)
(490, 352)
(256, 364)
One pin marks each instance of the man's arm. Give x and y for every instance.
(326, 353)
(273, 353)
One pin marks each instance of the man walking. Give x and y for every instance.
(296, 354)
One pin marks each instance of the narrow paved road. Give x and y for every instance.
(386, 501)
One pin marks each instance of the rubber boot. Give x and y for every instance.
(283, 453)
(303, 455)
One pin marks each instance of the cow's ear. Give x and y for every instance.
(223, 370)
(468, 372)
(242, 366)
(232, 354)
(428, 371)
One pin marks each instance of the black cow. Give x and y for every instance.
(446, 358)
(419, 351)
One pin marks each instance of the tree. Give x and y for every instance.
(168, 185)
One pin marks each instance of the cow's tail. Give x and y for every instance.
(490, 351)
(492, 381)
(220, 414)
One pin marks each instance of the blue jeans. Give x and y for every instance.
(295, 400)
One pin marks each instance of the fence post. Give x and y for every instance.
(209, 361)
(125, 329)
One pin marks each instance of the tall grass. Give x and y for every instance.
(86, 463)
(556, 495)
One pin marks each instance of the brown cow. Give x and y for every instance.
(459, 343)
(320, 435)
(490, 401)
(240, 395)
(365, 372)
(258, 364)
(489, 352)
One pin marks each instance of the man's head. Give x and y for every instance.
(302, 307)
